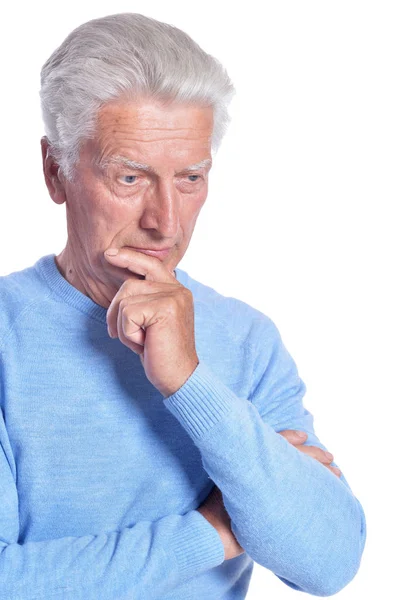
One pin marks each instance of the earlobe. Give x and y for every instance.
(51, 171)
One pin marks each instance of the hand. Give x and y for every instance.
(154, 317)
(214, 511)
(291, 436)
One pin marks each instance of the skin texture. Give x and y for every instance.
(105, 208)
(111, 206)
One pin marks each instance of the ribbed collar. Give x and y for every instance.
(47, 268)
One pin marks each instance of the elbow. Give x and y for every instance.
(329, 584)
(337, 569)
(338, 581)
(342, 567)
(333, 585)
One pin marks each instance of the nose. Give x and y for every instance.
(161, 209)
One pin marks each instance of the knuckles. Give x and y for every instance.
(172, 302)
(123, 304)
(170, 299)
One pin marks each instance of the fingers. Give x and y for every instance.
(129, 332)
(322, 456)
(293, 437)
(317, 453)
(142, 264)
(130, 289)
(335, 470)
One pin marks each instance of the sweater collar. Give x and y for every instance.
(47, 268)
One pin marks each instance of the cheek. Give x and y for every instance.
(198, 202)
(108, 206)
(190, 211)
(97, 214)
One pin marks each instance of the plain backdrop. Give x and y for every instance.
(300, 221)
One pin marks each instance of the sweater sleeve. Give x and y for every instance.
(289, 512)
(146, 560)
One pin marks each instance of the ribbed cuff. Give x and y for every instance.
(202, 401)
(197, 545)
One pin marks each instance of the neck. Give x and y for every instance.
(99, 291)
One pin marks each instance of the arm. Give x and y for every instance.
(214, 510)
(146, 560)
(291, 514)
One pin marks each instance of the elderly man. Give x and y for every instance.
(146, 453)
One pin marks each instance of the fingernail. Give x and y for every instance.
(301, 434)
(329, 455)
(112, 251)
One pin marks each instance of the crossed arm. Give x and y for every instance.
(289, 512)
(214, 510)
(312, 541)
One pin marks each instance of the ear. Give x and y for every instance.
(52, 173)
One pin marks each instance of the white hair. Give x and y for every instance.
(125, 55)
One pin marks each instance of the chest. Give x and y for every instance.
(95, 447)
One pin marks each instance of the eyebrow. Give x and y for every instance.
(142, 167)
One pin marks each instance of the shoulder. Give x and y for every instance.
(19, 290)
(245, 322)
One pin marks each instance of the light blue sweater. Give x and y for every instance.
(100, 476)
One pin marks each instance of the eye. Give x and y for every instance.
(129, 178)
(194, 177)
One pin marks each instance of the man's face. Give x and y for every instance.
(153, 204)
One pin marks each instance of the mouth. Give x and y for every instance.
(162, 253)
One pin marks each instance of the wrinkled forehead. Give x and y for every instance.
(147, 129)
(146, 119)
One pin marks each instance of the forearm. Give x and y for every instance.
(147, 560)
(290, 513)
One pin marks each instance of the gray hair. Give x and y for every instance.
(125, 56)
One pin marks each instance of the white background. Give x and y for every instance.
(300, 221)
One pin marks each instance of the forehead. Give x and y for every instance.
(164, 135)
(151, 121)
